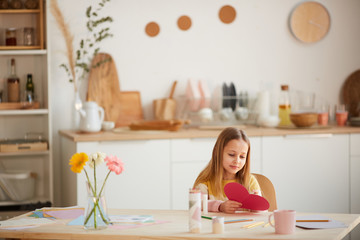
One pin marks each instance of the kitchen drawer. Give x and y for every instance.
(200, 150)
(354, 144)
(190, 150)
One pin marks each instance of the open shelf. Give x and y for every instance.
(22, 11)
(24, 112)
(24, 52)
(19, 47)
(8, 20)
(30, 201)
(33, 153)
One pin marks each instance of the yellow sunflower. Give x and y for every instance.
(78, 161)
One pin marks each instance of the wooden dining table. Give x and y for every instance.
(174, 224)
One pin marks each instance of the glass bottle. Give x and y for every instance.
(29, 94)
(284, 106)
(13, 84)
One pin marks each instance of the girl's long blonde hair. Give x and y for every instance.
(214, 171)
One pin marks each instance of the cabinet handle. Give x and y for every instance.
(302, 136)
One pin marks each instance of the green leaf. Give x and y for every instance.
(78, 54)
(88, 47)
(88, 11)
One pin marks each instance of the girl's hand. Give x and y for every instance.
(229, 206)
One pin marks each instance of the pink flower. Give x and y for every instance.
(114, 164)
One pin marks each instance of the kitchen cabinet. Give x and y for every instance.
(310, 172)
(20, 19)
(34, 123)
(189, 157)
(157, 175)
(355, 180)
(144, 183)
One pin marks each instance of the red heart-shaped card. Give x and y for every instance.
(237, 192)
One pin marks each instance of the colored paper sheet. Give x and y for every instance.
(24, 222)
(237, 192)
(126, 226)
(66, 213)
(131, 218)
(77, 221)
(317, 225)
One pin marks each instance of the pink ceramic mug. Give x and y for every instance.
(284, 221)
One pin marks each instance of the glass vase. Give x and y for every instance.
(96, 217)
(75, 108)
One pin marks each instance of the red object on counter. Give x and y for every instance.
(341, 118)
(323, 118)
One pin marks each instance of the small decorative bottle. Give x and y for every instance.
(284, 106)
(13, 84)
(29, 93)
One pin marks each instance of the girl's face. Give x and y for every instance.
(234, 157)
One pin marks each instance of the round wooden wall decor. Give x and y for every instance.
(184, 23)
(227, 14)
(152, 29)
(310, 22)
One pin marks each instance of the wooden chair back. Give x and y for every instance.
(267, 190)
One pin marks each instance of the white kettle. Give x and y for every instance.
(91, 117)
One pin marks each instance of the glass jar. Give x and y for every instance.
(4, 4)
(29, 36)
(16, 4)
(10, 39)
(31, 4)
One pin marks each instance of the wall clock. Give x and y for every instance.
(310, 22)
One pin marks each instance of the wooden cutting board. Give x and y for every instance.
(104, 88)
(351, 93)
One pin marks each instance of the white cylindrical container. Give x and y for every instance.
(194, 211)
(218, 225)
(204, 199)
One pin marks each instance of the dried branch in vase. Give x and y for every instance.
(79, 61)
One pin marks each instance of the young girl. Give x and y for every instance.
(230, 162)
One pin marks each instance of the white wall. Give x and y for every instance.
(256, 52)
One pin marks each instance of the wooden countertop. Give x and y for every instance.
(124, 134)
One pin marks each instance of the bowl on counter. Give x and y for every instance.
(303, 119)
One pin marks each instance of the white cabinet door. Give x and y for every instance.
(309, 172)
(355, 172)
(355, 180)
(190, 156)
(145, 181)
(255, 154)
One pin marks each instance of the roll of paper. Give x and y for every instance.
(194, 211)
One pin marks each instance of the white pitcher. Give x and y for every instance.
(91, 117)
